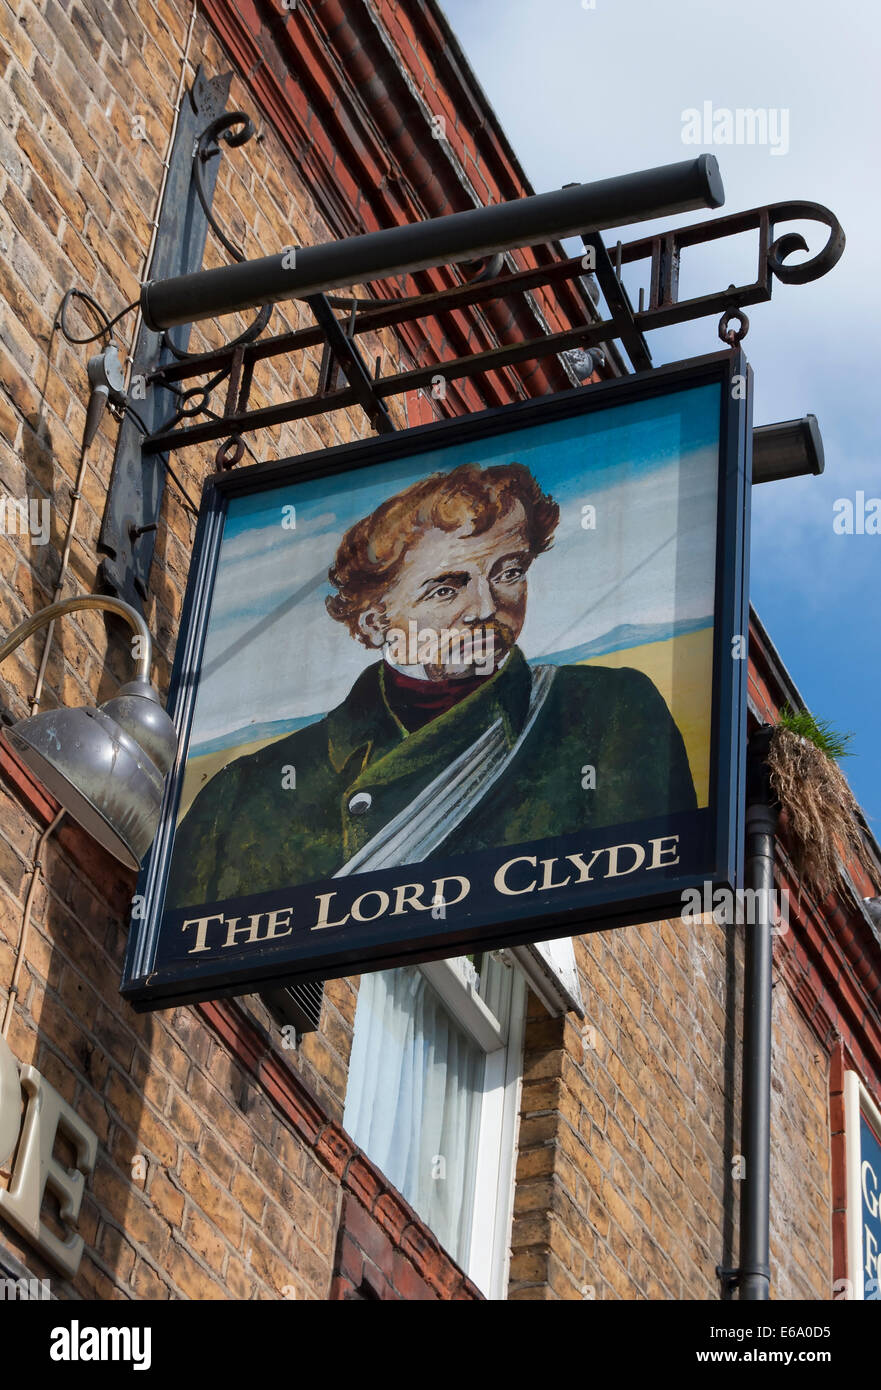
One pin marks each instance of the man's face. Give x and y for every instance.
(452, 582)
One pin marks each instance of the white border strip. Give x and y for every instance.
(852, 1158)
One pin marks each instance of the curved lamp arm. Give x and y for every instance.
(105, 766)
(71, 605)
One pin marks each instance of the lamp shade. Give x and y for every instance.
(105, 766)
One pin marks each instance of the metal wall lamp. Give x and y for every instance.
(106, 766)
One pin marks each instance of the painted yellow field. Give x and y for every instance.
(682, 670)
(201, 770)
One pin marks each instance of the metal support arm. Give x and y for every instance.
(461, 236)
(144, 659)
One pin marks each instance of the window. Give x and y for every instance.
(433, 1094)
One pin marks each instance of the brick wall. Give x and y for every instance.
(627, 1121)
(627, 1182)
(220, 1172)
(200, 1189)
(801, 1150)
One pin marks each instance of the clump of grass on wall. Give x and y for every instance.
(819, 731)
(818, 809)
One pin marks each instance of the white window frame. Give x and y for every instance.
(549, 969)
(502, 1043)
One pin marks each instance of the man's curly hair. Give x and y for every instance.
(372, 552)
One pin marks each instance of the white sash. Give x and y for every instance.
(414, 833)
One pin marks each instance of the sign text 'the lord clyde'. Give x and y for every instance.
(520, 875)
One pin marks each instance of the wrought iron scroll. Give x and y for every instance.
(196, 401)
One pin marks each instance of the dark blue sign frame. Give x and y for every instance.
(162, 969)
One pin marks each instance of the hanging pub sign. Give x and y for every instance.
(475, 684)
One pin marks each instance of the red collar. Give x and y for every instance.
(416, 702)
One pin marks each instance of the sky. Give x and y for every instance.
(647, 469)
(585, 91)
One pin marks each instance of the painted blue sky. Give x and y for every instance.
(648, 469)
(584, 92)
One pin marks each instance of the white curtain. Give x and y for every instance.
(413, 1099)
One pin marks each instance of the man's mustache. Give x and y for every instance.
(492, 632)
(469, 646)
(483, 646)
(482, 642)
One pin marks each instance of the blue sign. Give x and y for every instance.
(870, 1186)
(532, 754)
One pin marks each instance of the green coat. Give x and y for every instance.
(246, 832)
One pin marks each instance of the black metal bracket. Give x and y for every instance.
(618, 300)
(134, 499)
(663, 252)
(342, 350)
(206, 148)
(340, 355)
(178, 386)
(728, 1278)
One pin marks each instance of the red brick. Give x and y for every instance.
(351, 1261)
(408, 1283)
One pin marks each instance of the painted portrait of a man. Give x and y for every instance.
(450, 740)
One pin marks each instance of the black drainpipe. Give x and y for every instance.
(754, 1274)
